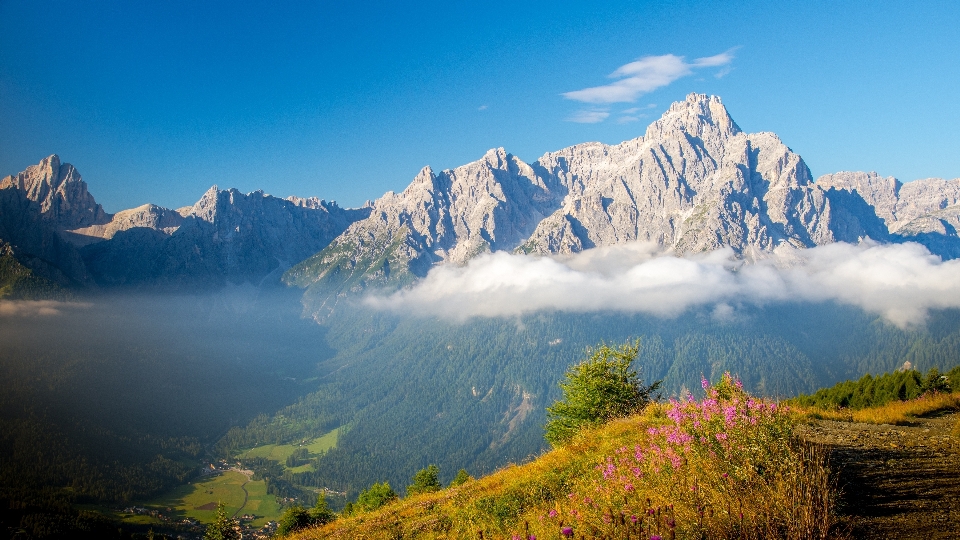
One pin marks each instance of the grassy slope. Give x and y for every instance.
(517, 501)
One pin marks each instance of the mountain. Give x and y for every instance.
(925, 211)
(226, 237)
(55, 228)
(694, 182)
(30, 226)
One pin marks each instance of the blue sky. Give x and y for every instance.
(157, 101)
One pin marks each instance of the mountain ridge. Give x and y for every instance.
(693, 182)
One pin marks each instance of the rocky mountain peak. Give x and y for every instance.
(60, 191)
(699, 115)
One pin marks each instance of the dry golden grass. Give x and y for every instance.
(768, 485)
(899, 413)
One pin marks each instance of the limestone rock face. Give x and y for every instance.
(694, 182)
(925, 211)
(36, 242)
(59, 191)
(491, 204)
(225, 237)
(57, 229)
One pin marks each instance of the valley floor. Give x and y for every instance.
(896, 481)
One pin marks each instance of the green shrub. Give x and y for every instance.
(376, 496)
(596, 390)
(461, 478)
(425, 481)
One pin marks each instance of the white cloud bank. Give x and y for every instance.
(901, 282)
(646, 75)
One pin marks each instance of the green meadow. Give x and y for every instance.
(199, 498)
(280, 452)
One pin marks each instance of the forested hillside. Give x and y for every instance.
(414, 391)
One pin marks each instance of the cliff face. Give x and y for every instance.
(694, 182)
(59, 192)
(225, 237)
(57, 229)
(925, 211)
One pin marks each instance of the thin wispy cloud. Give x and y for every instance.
(482, 108)
(900, 282)
(588, 116)
(646, 75)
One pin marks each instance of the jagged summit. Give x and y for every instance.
(699, 115)
(693, 182)
(60, 191)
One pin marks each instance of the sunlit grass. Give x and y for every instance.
(198, 499)
(896, 412)
(280, 452)
(724, 467)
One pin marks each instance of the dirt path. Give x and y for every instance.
(896, 481)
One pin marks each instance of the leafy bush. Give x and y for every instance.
(376, 496)
(596, 390)
(461, 478)
(723, 467)
(425, 481)
(293, 519)
(297, 518)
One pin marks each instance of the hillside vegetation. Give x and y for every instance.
(896, 398)
(721, 467)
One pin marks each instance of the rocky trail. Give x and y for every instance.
(896, 481)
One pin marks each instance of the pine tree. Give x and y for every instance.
(321, 513)
(223, 527)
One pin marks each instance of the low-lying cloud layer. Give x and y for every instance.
(901, 282)
(37, 308)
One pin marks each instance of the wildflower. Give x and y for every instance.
(552, 513)
(704, 383)
(724, 475)
(655, 537)
(633, 519)
(568, 531)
